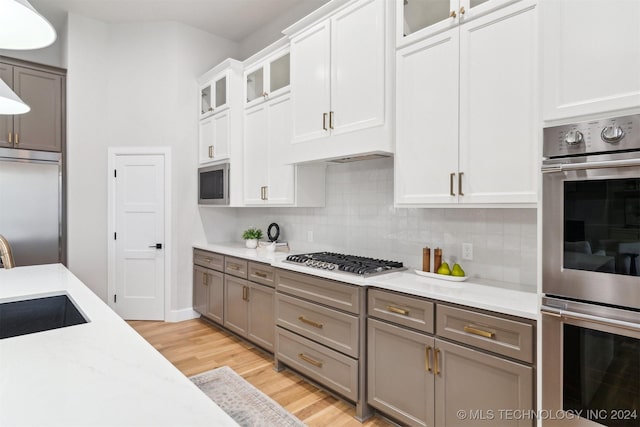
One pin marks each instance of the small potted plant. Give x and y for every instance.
(251, 236)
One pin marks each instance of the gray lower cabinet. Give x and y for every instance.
(422, 379)
(320, 333)
(208, 288)
(398, 381)
(236, 293)
(235, 304)
(490, 389)
(261, 324)
(249, 310)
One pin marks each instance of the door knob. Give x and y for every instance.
(156, 246)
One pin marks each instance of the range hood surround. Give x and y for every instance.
(350, 158)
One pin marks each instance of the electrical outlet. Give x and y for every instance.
(467, 251)
(310, 236)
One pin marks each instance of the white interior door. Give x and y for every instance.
(139, 195)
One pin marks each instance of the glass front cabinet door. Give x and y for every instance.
(417, 19)
(267, 78)
(213, 96)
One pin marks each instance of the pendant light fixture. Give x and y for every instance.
(10, 103)
(21, 28)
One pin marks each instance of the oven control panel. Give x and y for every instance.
(594, 136)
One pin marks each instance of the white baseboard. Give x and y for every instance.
(180, 315)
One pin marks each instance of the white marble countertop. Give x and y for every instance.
(101, 373)
(499, 297)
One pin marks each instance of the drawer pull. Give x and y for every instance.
(435, 359)
(207, 259)
(235, 267)
(397, 310)
(308, 359)
(260, 274)
(480, 332)
(310, 322)
(427, 356)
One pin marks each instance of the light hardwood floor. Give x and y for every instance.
(196, 346)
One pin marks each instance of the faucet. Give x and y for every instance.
(5, 253)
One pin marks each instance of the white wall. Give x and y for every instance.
(273, 31)
(133, 85)
(359, 218)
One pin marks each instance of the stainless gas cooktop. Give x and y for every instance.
(353, 264)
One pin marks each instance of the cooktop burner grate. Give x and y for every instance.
(353, 264)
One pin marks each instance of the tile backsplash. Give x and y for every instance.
(359, 218)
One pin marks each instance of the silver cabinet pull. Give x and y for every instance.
(211, 151)
(324, 121)
(460, 183)
(331, 119)
(451, 178)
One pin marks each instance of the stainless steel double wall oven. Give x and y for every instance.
(591, 273)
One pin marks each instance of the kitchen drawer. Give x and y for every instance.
(208, 259)
(408, 311)
(235, 266)
(332, 328)
(503, 336)
(261, 273)
(324, 291)
(330, 368)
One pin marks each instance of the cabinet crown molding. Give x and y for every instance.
(321, 13)
(228, 63)
(280, 44)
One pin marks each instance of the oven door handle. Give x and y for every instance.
(555, 312)
(625, 163)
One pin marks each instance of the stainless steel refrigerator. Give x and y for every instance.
(31, 209)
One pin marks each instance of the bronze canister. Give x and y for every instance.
(426, 259)
(437, 259)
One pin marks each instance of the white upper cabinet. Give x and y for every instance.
(311, 75)
(417, 19)
(213, 94)
(220, 113)
(427, 120)
(267, 78)
(499, 123)
(591, 57)
(466, 121)
(268, 179)
(341, 80)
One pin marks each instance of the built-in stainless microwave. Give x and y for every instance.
(213, 185)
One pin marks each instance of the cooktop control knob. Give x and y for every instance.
(574, 137)
(612, 134)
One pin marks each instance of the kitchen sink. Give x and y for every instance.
(37, 315)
